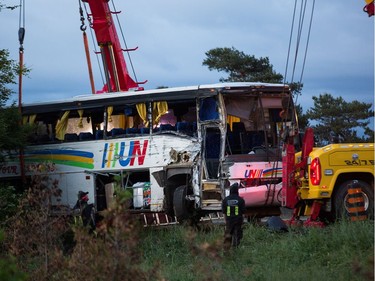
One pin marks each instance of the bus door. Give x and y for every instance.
(210, 126)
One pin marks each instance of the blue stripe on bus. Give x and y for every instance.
(63, 152)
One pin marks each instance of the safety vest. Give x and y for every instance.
(229, 213)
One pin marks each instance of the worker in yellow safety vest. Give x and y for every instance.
(233, 207)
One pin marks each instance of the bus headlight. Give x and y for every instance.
(184, 157)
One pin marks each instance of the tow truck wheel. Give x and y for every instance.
(340, 201)
(183, 208)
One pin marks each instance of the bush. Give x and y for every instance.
(9, 200)
(8, 268)
(52, 247)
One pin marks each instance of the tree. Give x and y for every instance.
(245, 68)
(241, 67)
(338, 120)
(303, 120)
(10, 119)
(8, 71)
(4, 6)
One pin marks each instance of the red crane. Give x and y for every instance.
(116, 72)
(369, 8)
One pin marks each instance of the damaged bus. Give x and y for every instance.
(176, 149)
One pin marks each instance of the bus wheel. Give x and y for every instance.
(340, 201)
(183, 208)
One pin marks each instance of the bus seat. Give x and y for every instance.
(71, 137)
(166, 127)
(145, 130)
(184, 127)
(85, 136)
(238, 138)
(238, 127)
(117, 132)
(99, 134)
(132, 131)
(256, 138)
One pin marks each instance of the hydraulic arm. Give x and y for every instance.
(116, 72)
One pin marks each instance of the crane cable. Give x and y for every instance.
(86, 45)
(93, 42)
(123, 38)
(302, 13)
(21, 37)
(298, 41)
(307, 41)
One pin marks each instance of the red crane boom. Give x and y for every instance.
(116, 72)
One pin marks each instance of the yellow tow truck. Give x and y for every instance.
(330, 182)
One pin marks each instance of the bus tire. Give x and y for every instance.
(182, 207)
(340, 209)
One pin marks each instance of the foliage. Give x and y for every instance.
(8, 71)
(49, 245)
(9, 199)
(117, 242)
(343, 251)
(240, 66)
(303, 121)
(46, 248)
(36, 233)
(4, 6)
(337, 118)
(8, 268)
(12, 134)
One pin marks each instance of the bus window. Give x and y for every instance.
(122, 120)
(82, 124)
(180, 117)
(208, 109)
(43, 127)
(252, 123)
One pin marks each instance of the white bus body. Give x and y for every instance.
(184, 152)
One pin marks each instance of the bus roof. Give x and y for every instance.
(133, 97)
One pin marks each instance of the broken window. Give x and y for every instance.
(251, 123)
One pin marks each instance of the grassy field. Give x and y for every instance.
(37, 246)
(343, 251)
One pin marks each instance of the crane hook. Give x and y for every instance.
(83, 27)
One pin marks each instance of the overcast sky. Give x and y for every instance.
(173, 37)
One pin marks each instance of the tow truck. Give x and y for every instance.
(325, 183)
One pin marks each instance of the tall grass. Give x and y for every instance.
(343, 251)
(43, 247)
